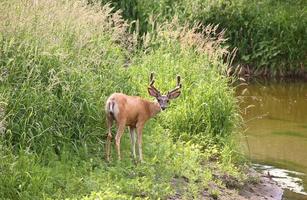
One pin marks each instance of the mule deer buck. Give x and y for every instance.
(133, 111)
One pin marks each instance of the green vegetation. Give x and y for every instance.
(270, 35)
(59, 61)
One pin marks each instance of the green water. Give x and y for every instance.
(275, 115)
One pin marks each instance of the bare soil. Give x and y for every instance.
(266, 188)
(258, 187)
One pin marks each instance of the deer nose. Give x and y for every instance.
(163, 108)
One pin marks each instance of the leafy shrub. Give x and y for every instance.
(268, 34)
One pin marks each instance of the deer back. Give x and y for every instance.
(130, 109)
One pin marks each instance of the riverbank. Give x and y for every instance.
(60, 61)
(274, 112)
(256, 187)
(265, 188)
(247, 72)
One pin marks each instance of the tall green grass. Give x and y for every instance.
(206, 109)
(57, 72)
(270, 35)
(60, 60)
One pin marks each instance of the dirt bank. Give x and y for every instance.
(257, 187)
(264, 189)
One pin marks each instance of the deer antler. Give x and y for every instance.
(178, 86)
(152, 81)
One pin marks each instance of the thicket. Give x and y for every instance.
(60, 60)
(270, 35)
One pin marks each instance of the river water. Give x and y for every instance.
(275, 116)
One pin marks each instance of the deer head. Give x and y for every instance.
(163, 100)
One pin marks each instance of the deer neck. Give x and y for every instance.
(154, 108)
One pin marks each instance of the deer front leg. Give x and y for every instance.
(139, 132)
(119, 133)
(132, 139)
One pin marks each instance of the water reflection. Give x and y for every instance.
(289, 180)
(276, 120)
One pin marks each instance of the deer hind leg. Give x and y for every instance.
(119, 133)
(132, 139)
(139, 132)
(109, 136)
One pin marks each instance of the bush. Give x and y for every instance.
(268, 34)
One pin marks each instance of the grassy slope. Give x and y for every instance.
(60, 60)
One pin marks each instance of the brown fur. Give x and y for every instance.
(132, 111)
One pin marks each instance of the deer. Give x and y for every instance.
(134, 112)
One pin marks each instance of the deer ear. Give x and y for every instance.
(173, 95)
(152, 92)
